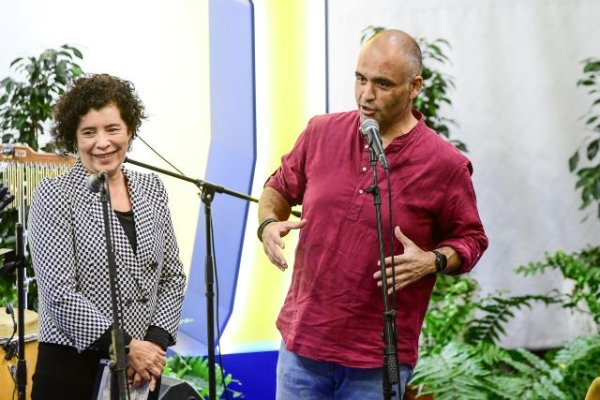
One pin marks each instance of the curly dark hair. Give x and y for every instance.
(94, 92)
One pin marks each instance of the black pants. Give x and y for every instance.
(62, 373)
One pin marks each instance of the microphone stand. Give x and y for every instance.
(118, 364)
(390, 360)
(21, 376)
(19, 372)
(20, 264)
(207, 191)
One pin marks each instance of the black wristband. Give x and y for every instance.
(441, 261)
(263, 225)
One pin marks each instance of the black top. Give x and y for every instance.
(126, 220)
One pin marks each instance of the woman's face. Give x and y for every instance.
(102, 140)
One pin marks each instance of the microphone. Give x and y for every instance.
(11, 311)
(96, 181)
(10, 349)
(370, 131)
(5, 197)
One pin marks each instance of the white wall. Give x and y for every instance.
(162, 47)
(516, 64)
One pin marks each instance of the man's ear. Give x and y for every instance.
(416, 85)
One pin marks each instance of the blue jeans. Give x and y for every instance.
(300, 378)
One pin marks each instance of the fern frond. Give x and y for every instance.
(578, 349)
(497, 311)
(529, 377)
(454, 373)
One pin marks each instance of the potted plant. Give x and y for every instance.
(26, 100)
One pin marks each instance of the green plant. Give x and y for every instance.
(194, 370)
(486, 371)
(436, 84)
(578, 362)
(588, 174)
(457, 311)
(450, 308)
(26, 101)
(583, 269)
(460, 353)
(8, 290)
(461, 358)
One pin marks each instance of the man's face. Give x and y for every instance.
(384, 88)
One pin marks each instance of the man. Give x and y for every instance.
(332, 319)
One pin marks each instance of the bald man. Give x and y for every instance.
(332, 319)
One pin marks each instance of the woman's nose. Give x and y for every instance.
(102, 139)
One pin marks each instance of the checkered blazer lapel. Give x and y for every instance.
(124, 255)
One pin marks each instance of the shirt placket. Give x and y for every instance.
(363, 182)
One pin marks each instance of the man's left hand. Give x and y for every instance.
(410, 266)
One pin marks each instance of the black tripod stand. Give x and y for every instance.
(207, 191)
(19, 264)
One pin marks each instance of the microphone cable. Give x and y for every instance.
(391, 222)
(159, 155)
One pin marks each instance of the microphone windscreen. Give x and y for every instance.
(369, 124)
(95, 181)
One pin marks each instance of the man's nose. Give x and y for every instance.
(368, 91)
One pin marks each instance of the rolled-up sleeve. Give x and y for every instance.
(290, 178)
(459, 222)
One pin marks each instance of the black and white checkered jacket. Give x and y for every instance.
(68, 247)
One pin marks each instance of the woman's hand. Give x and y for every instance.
(147, 360)
(134, 379)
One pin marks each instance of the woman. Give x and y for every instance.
(98, 118)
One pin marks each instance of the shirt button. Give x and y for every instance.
(361, 191)
(366, 146)
(364, 169)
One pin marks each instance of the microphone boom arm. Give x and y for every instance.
(202, 185)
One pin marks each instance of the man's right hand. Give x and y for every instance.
(273, 243)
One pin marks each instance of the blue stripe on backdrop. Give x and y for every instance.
(255, 372)
(231, 163)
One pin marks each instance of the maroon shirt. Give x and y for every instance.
(334, 308)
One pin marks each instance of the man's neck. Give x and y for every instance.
(398, 129)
